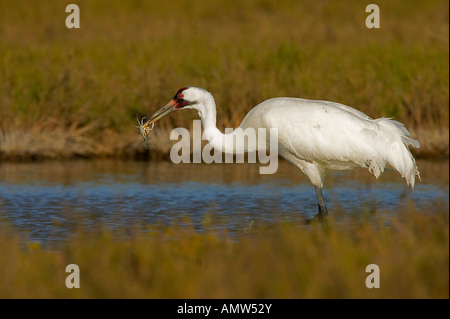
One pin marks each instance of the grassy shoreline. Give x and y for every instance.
(74, 93)
(284, 261)
(63, 145)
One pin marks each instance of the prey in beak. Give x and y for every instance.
(147, 125)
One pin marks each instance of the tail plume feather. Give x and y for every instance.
(398, 155)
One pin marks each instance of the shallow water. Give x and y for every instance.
(46, 200)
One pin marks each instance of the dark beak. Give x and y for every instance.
(163, 111)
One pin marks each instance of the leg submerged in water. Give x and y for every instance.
(323, 211)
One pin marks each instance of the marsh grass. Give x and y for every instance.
(82, 89)
(286, 260)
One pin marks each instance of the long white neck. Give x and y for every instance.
(233, 142)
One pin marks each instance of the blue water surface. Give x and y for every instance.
(46, 202)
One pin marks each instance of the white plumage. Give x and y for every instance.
(319, 135)
(316, 136)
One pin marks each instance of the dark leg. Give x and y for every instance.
(322, 207)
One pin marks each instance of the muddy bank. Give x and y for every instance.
(21, 145)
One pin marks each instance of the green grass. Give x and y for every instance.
(282, 261)
(128, 58)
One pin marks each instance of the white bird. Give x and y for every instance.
(315, 136)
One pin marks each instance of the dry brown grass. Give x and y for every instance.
(283, 261)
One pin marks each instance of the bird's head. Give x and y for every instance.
(185, 98)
